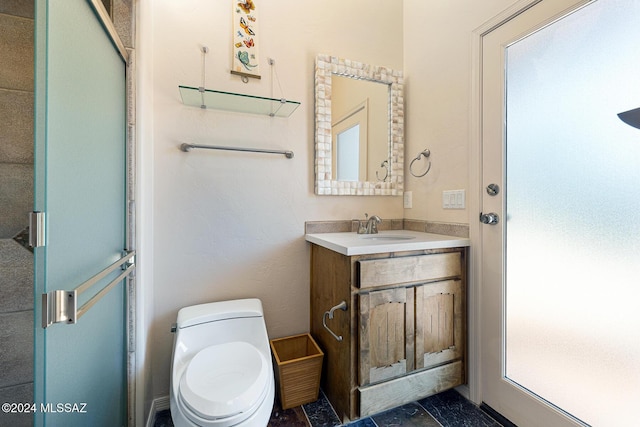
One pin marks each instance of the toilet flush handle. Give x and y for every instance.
(342, 306)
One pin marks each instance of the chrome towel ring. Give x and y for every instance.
(385, 165)
(426, 153)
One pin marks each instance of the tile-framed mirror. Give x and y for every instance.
(359, 128)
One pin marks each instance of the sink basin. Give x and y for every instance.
(385, 237)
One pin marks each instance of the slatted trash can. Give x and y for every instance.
(298, 363)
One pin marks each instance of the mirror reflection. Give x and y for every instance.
(359, 128)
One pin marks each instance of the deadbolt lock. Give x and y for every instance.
(493, 189)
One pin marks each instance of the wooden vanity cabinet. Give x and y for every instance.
(403, 334)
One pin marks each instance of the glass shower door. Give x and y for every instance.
(80, 95)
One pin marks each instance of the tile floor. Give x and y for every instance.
(447, 409)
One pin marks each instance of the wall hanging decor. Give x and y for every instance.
(246, 58)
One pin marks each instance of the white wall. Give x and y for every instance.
(227, 225)
(438, 70)
(231, 225)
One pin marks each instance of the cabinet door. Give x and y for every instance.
(386, 334)
(439, 324)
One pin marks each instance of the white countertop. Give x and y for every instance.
(384, 241)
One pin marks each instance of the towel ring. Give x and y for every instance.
(426, 153)
(385, 165)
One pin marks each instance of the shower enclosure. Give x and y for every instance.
(17, 196)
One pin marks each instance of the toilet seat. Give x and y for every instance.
(223, 381)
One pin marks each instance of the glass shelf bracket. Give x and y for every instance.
(229, 101)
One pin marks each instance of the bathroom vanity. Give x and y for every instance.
(401, 336)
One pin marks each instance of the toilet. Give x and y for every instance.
(221, 370)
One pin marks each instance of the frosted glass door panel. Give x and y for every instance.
(572, 209)
(80, 185)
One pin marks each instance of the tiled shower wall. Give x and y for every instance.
(16, 116)
(16, 200)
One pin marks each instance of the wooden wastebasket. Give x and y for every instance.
(298, 363)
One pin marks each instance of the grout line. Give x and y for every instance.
(332, 408)
(306, 416)
(323, 396)
(15, 385)
(11, 89)
(427, 411)
(10, 15)
(17, 311)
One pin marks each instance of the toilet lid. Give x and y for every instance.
(224, 380)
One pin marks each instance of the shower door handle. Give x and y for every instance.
(61, 306)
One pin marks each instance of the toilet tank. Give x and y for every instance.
(214, 311)
(200, 326)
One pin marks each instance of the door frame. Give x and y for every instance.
(132, 406)
(475, 193)
(476, 186)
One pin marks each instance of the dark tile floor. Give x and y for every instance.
(447, 409)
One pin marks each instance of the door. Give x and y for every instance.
(560, 335)
(80, 176)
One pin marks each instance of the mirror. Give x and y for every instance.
(359, 132)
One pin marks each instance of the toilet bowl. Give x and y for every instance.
(221, 370)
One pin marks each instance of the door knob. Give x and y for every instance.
(491, 218)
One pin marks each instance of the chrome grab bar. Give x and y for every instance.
(342, 306)
(60, 306)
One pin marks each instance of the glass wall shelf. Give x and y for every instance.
(237, 102)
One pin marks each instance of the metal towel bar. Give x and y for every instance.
(188, 147)
(60, 306)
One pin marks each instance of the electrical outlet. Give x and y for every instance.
(408, 199)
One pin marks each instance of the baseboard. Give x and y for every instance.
(463, 390)
(157, 405)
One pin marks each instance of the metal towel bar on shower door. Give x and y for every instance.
(60, 306)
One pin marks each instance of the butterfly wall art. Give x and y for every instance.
(245, 39)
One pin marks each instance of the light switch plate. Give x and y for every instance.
(453, 199)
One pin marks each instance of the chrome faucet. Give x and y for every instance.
(370, 226)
